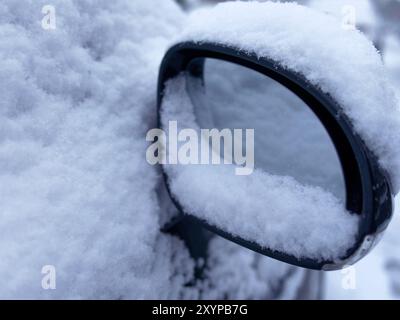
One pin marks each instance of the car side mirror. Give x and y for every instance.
(271, 160)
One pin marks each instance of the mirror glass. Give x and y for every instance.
(288, 195)
(289, 139)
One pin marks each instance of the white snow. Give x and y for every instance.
(276, 212)
(75, 189)
(343, 63)
(384, 261)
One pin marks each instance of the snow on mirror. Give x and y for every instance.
(292, 200)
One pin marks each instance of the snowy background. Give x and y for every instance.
(75, 189)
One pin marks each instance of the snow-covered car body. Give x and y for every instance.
(77, 193)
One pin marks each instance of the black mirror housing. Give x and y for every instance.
(368, 187)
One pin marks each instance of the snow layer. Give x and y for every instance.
(276, 212)
(75, 189)
(343, 63)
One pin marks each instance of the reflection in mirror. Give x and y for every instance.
(293, 201)
(289, 138)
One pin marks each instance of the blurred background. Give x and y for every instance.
(378, 275)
